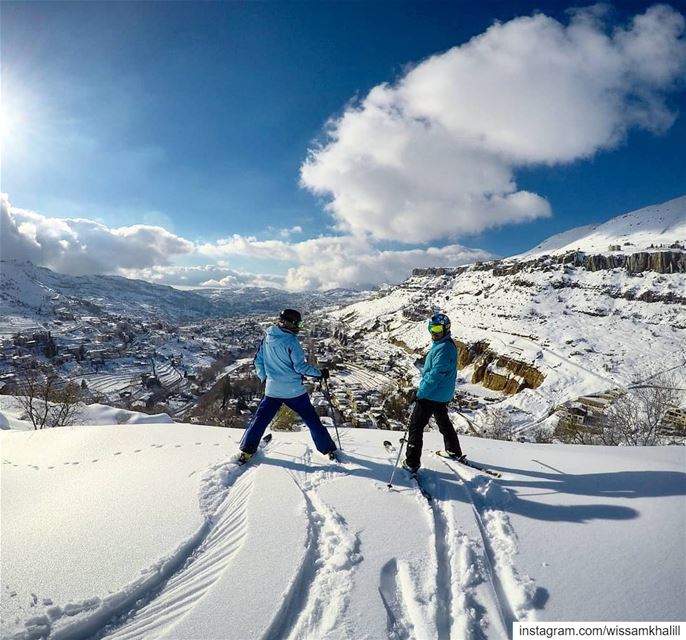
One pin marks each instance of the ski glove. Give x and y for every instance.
(413, 396)
(325, 373)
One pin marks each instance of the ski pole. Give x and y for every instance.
(403, 440)
(333, 412)
(397, 459)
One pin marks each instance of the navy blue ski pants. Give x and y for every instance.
(302, 406)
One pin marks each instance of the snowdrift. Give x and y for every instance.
(149, 532)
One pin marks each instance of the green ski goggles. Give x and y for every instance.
(437, 328)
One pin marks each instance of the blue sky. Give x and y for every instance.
(318, 144)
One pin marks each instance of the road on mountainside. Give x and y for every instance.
(351, 373)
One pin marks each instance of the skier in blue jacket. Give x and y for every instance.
(280, 361)
(436, 389)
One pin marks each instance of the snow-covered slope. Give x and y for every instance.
(658, 225)
(148, 532)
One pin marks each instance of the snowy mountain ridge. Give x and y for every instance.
(32, 292)
(658, 225)
(27, 290)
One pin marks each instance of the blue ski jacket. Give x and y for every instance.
(440, 371)
(280, 360)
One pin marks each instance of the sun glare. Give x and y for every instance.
(10, 121)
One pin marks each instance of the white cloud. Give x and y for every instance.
(286, 233)
(205, 276)
(342, 261)
(79, 246)
(327, 263)
(248, 246)
(434, 155)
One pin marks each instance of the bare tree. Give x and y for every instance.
(66, 405)
(636, 417)
(496, 424)
(542, 435)
(32, 393)
(46, 402)
(570, 432)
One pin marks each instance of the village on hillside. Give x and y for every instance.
(202, 373)
(199, 372)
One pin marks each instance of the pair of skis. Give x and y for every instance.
(469, 463)
(413, 474)
(443, 454)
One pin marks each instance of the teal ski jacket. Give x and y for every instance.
(280, 360)
(440, 371)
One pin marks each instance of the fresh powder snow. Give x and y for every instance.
(150, 531)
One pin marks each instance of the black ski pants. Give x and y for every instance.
(421, 414)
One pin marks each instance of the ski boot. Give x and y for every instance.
(413, 470)
(243, 457)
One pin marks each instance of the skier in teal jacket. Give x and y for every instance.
(435, 390)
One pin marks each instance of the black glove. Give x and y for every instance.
(325, 373)
(413, 396)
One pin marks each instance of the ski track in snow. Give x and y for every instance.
(319, 595)
(168, 589)
(514, 595)
(228, 527)
(400, 626)
(461, 565)
(476, 592)
(463, 608)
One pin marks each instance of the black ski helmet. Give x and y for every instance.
(290, 315)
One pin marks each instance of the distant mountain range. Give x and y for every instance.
(31, 292)
(34, 293)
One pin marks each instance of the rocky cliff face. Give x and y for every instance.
(671, 261)
(439, 271)
(495, 372)
(658, 261)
